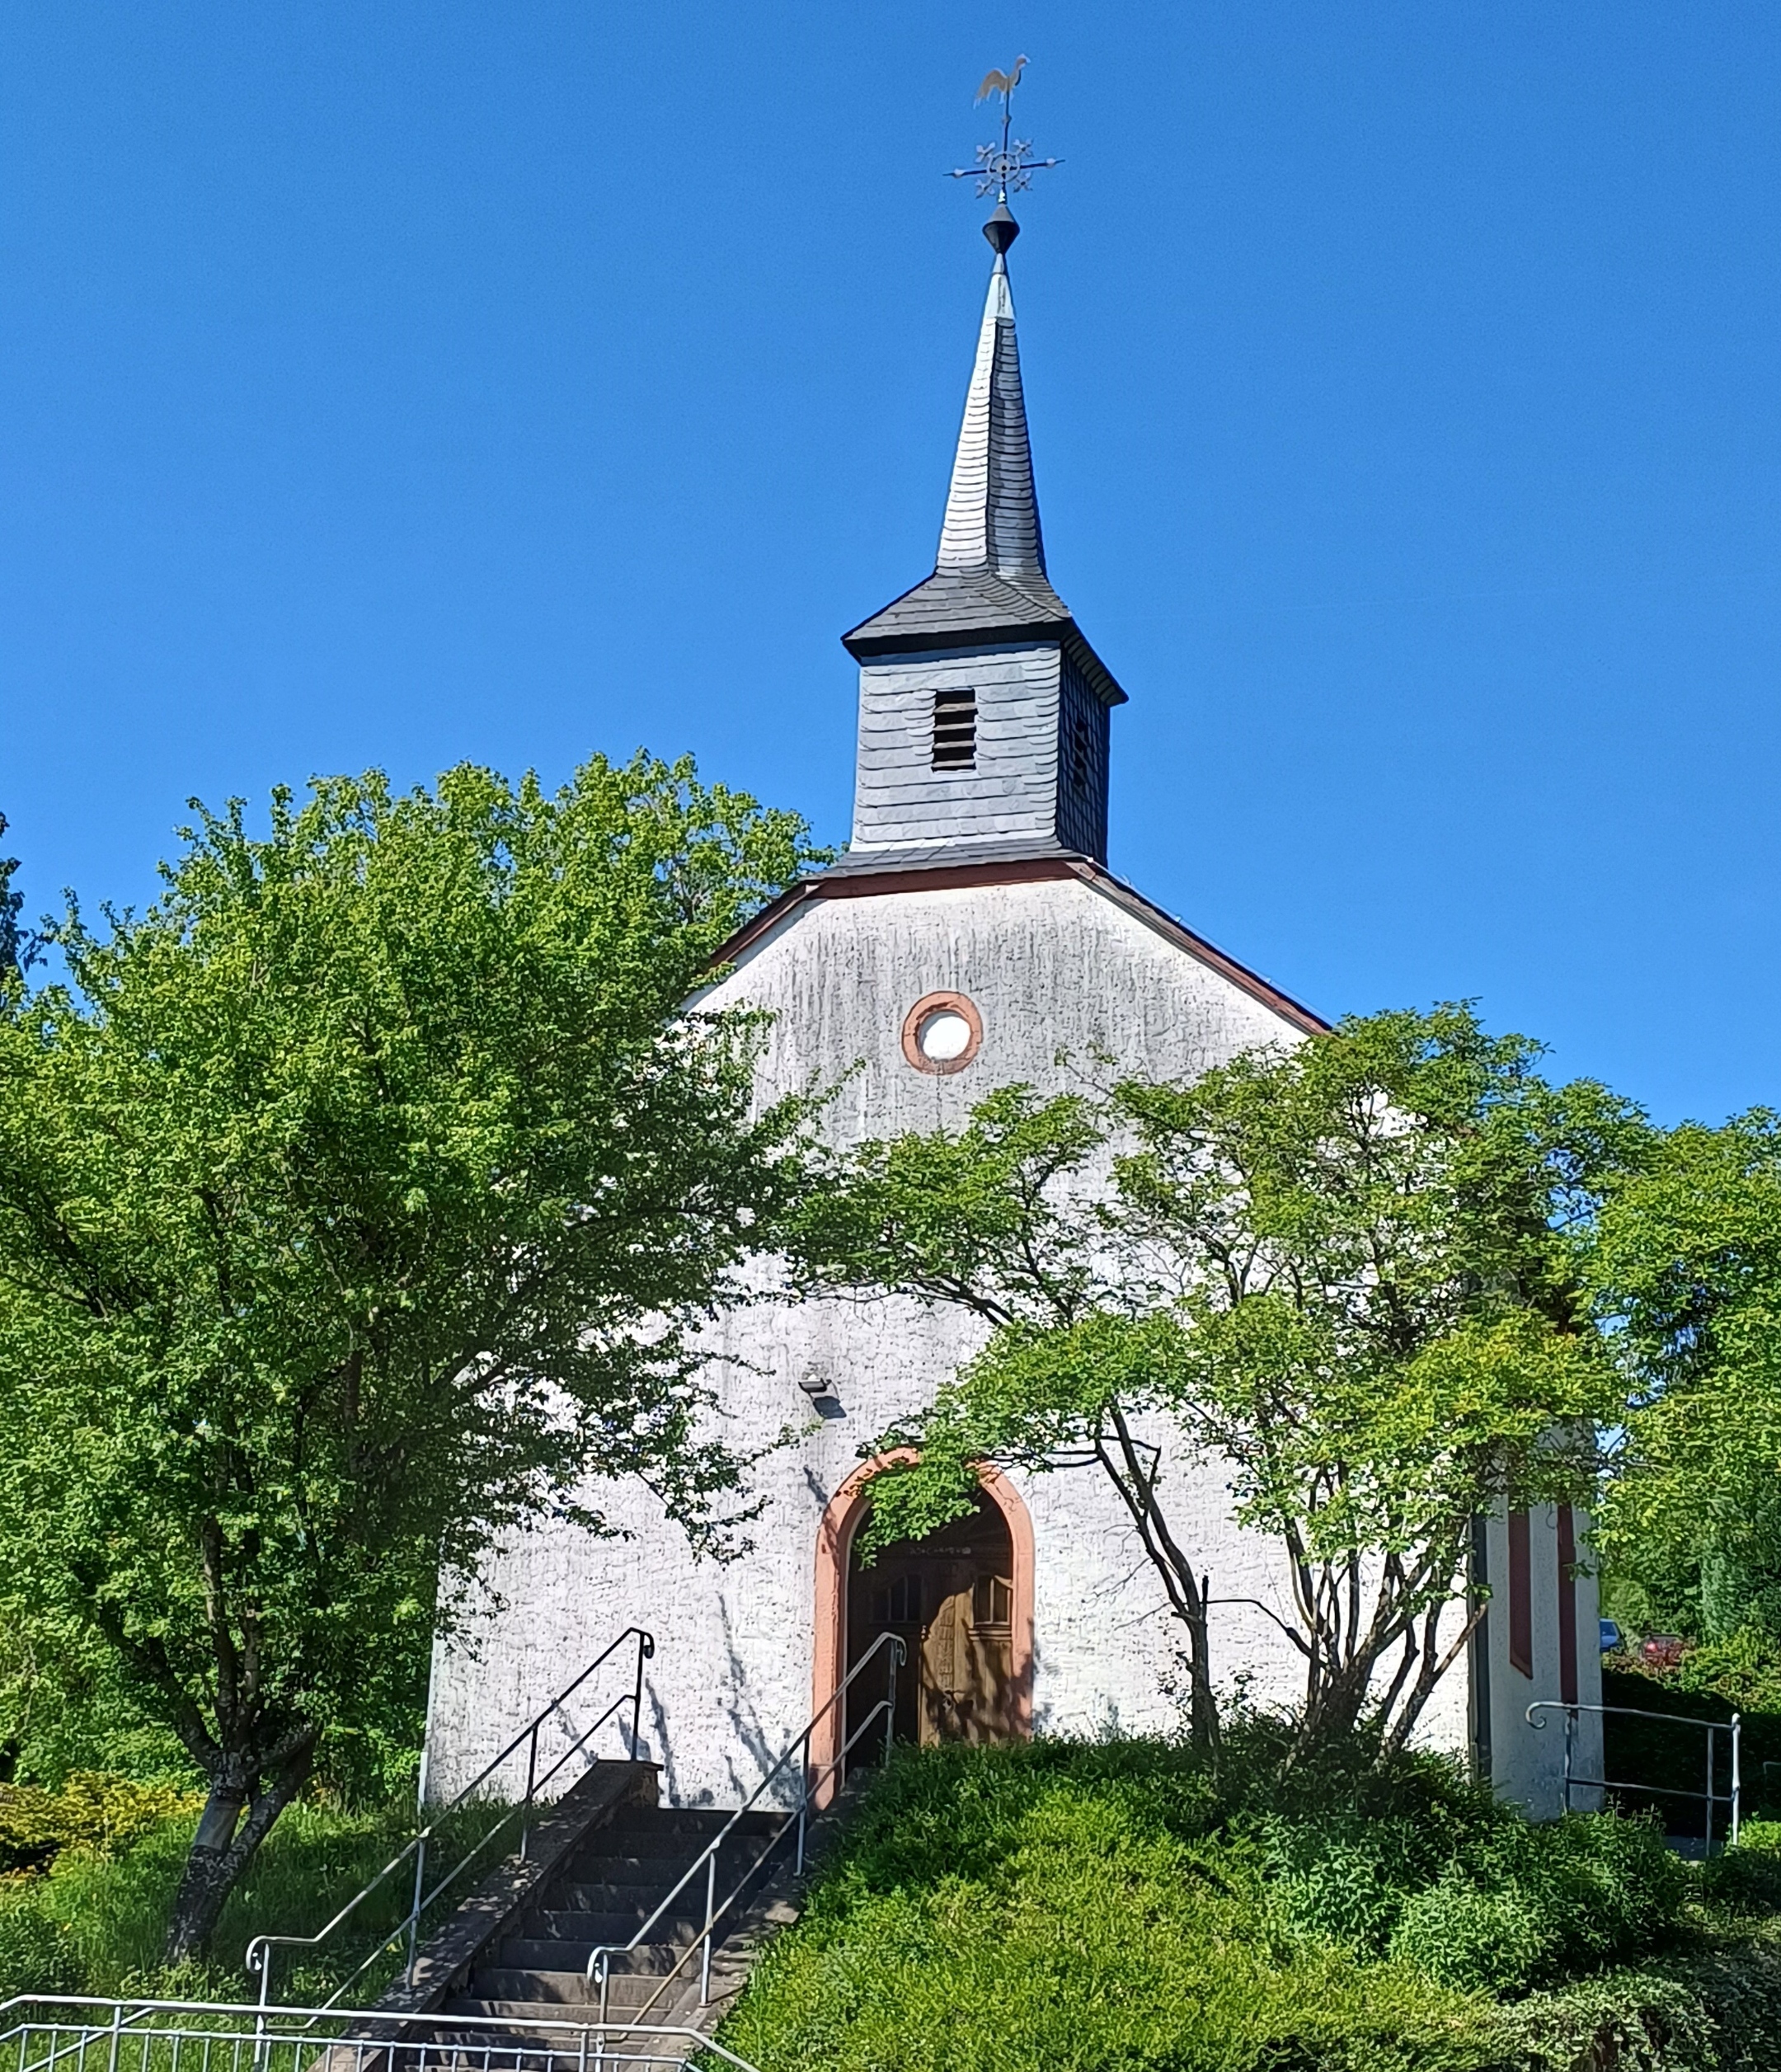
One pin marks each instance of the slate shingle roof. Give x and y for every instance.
(990, 579)
(934, 855)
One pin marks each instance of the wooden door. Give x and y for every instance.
(951, 1598)
(967, 1657)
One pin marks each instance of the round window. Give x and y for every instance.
(942, 1032)
(943, 1036)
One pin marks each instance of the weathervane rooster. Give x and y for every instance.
(1001, 83)
(1004, 168)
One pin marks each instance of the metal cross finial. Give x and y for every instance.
(1004, 168)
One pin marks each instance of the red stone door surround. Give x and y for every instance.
(835, 1547)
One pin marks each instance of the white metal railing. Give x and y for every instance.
(1732, 1799)
(63, 2032)
(407, 1930)
(812, 1781)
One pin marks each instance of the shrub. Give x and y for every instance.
(1413, 1862)
(1746, 1880)
(1048, 1906)
(1536, 1901)
(1745, 1670)
(1474, 1939)
(1740, 1675)
(1715, 2007)
(1113, 1905)
(1643, 2021)
(91, 1811)
(96, 1919)
(1607, 1885)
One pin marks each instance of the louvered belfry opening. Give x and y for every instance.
(955, 729)
(1082, 755)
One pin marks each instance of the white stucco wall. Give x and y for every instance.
(1527, 1764)
(1051, 964)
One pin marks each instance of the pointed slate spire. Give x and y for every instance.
(989, 582)
(992, 513)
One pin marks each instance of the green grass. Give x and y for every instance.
(94, 1921)
(1067, 1906)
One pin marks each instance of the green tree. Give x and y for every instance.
(1688, 1275)
(358, 1200)
(65, 1706)
(1347, 1271)
(17, 948)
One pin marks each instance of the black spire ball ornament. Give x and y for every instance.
(1001, 229)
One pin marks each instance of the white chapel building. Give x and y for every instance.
(970, 932)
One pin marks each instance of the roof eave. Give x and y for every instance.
(930, 877)
(865, 646)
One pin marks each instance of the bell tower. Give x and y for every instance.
(983, 711)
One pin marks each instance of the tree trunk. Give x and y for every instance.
(1202, 1715)
(1432, 1669)
(1188, 1594)
(1339, 1700)
(226, 1842)
(206, 1881)
(1334, 1702)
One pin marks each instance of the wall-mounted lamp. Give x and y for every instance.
(824, 1400)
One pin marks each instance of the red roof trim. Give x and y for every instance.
(770, 915)
(1028, 870)
(936, 877)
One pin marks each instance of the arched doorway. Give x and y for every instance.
(950, 1599)
(961, 1599)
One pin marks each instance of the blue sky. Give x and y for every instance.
(403, 383)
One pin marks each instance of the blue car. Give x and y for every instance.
(1610, 1635)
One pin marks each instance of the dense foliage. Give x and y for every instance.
(1688, 1269)
(1058, 1906)
(66, 1705)
(1347, 1272)
(95, 1921)
(1082, 1905)
(358, 1202)
(1067, 1903)
(91, 1811)
(1667, 1755)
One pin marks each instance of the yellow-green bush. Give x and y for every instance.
(95, 1920)
(91, 1811)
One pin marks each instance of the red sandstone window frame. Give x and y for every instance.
(933, 1004)
(1521, 1594)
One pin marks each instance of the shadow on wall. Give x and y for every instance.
(744, 1724)
(744, 1719)
(1043, 1719)
(664, 1753)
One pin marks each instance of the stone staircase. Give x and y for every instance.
(603, 1890)
(593, 1868)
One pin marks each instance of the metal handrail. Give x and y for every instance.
(1734, 1726)
(259, 1954)
(372, 2029)
(601, 1958)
